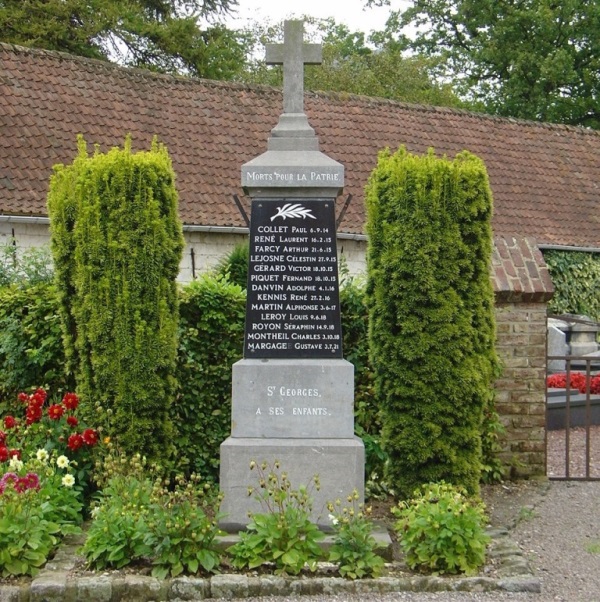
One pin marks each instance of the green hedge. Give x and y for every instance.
(31, 346)
(211, 339)
(432, 330)
(576, 279)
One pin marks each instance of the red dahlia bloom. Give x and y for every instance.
(72, 421)
(90, 437)
(15, 453)
(4, 455)
(33, 414)
(70, 401)
(75, 441)
(55, 411)
(40, 394)
(10, 422)
(2, 437)
(23, 397)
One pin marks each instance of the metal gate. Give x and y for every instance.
(573, 420)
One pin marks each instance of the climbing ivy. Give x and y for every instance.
(576, 279)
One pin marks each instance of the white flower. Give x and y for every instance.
(95, 512)
(62, 461)
(42, 455)
(15, 464)
(333, 519)
(68, 480)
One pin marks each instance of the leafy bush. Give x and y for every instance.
(137, 518)
(354, 547)
(576, 279)
(441, 530)
(117, 242)
(31, 346)
(40, 502)
(430, 299)
(235, 265)
(283, 534)
(25, 266)
(211, 339)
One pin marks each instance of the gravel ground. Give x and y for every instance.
(556, 524)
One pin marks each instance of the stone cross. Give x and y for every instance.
(293, 54)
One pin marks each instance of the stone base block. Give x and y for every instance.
(338, 462)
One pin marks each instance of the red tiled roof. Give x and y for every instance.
(545, 178)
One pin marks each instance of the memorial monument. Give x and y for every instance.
(292, 394)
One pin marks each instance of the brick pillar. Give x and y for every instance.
(522, 288)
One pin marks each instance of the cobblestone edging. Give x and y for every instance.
(59, 583)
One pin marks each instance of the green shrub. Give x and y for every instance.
(576, 279)
(441, 530)
(117, 243)
(211, 339)
(25, 266)
(283, 534)
(31, 346)
(431, 314)
(235, 265)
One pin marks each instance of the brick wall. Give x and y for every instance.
(522, 289)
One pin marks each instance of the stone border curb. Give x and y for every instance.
(57, 583)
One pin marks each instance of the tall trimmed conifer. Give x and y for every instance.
(431, 316)
(117, 243)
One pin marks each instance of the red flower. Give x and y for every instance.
(595, 385)
(2, 437)
(55, 411)
(10, 422)
(90, 437)
(40, 394)
(15, 453)
(33, 414)
(23, 397)
(75, 441)
(4, 455)
(72, 421)
(70, 401)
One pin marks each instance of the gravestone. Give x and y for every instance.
(293, 393)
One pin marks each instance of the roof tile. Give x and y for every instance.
(545, 178)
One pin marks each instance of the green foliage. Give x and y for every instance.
(367, 424)
(136, 518)
(31, 348)
(492, 468)
(182, 534)
(235, 265)
(39, 504)
(117, 242)
(211, 339)
(284, 533)
(26, 536)
(162, 35)
(24, 267)
(350, 64)
(432, 329)
(536, 60)
(441, 530)
(576, 279)
(354, 546)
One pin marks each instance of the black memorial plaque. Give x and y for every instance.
(293, 307)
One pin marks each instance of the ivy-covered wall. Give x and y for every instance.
(576, 279)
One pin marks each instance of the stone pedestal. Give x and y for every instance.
(338, 462)
(301, 413)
